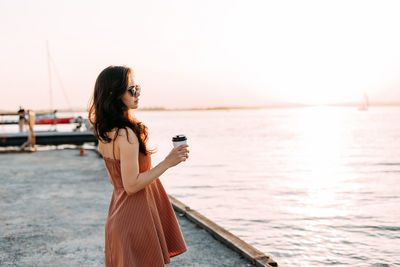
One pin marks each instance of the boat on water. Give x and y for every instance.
(40, 119)
(50, 119)
(365, 104)
(29, 138)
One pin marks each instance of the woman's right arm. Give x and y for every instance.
(132, 180)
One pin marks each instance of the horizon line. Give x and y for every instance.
(277, 105)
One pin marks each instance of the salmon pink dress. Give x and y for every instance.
(141, 229)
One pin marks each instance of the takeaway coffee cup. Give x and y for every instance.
(179, 139)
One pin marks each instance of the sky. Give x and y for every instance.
(187, 53)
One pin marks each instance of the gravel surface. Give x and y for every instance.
(53, 207)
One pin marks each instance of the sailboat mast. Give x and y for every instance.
(49, 72)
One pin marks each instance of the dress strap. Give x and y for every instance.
(115, 137)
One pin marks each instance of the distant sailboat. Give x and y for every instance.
(50, 117)
(51, 66)
(364, 106)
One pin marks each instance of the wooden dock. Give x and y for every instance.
(48, 138)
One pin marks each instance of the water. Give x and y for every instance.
(307, 186)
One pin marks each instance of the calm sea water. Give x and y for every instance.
(308, 186)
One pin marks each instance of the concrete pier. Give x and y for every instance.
(53, 207)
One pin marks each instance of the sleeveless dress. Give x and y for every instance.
(141, 229)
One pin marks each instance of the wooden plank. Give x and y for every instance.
(249, 252)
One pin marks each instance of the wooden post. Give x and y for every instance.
(31, 131)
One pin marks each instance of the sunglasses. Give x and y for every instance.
(134, 90)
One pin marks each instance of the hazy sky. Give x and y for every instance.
(202, 53)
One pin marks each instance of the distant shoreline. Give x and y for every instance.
(355, 105)
(289, 105)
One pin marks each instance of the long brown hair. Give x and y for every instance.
(107, 110)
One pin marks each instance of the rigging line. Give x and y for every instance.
(61, 84)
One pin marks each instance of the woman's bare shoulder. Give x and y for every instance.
(127, 135)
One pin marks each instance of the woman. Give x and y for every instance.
(141, 228)
(21, 121)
